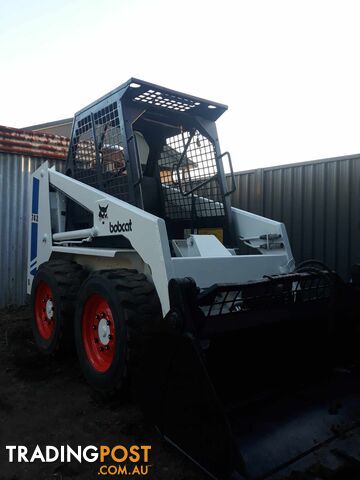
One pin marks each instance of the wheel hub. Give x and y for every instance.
(44, 310)
(98, 332)
(104, 331)
(49, 309)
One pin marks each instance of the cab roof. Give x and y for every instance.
(161, 98)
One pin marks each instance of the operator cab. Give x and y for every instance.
(158, 150)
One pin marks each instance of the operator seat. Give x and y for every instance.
(149, 185)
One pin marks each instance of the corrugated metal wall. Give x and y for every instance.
(319, 202)
(15, 173)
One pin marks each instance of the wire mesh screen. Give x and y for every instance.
(99, 158)
(188, 172)
(271, 292)
(85, 152)
(111, 151)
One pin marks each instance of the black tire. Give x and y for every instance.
(64, 279)
(135, 307)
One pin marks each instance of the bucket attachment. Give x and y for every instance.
(247, 379)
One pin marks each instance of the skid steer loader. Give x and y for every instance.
(245, 362)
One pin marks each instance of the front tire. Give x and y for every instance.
(53, 295)
(115, 308)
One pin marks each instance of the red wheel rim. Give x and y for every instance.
(44, 310)
(98, 332)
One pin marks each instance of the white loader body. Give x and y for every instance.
(201, 257)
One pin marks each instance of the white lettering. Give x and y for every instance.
(11, 449)
(94, 455)
(71, 453)
(37, 455)
(55, 451)
(22, 451)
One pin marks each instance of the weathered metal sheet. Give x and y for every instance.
(15, 173)
(319, 202)
(13, 140)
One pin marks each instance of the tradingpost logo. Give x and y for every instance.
(118, 460)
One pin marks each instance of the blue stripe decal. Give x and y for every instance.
(34, 236)
(34, 223)
(35, 195)
(33, 272)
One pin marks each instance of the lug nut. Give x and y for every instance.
(94, 327)
(110, 337)
(96, 340)
(107, 322)
(101, 349)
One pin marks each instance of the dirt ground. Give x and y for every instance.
(46, 401)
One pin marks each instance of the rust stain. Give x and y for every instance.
(26, 142)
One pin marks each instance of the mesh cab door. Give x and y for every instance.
(190, 178)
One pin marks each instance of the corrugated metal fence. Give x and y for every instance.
(15, 173)
(319, 202)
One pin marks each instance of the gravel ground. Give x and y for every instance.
(45, 401)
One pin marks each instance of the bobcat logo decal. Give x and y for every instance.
(103, 211)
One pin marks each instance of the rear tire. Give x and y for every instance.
(116, 308)
(53, 296)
